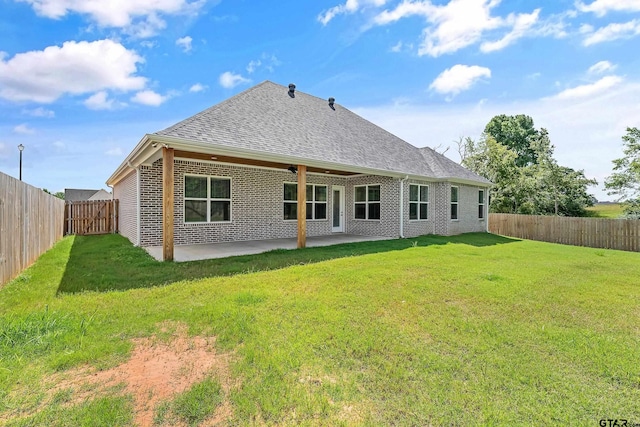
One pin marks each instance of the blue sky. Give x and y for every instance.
(81, 81)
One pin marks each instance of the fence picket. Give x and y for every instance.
(91, 217)
(31, 222)
(605, 233)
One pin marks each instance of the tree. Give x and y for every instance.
(59, 194)
(539, 186)
(517, 133)
(624, 182)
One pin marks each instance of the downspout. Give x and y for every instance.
(401, 181)
(486, 206)
(138, 231)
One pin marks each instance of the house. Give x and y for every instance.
(78, 195)
(273, 162)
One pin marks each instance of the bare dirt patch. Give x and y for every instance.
(157, 370)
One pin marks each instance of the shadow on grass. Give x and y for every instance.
(111, 262)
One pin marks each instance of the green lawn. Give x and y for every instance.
(468, 330)
(606, 210)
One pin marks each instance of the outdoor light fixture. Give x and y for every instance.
(292, 169)
(154, 145)
(21, 148)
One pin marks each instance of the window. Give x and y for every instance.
(207, 199)
(480, 204)
(418, 201)
(454, 202)
(367, 202)
(316, 201)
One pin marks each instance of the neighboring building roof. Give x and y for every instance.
(101, 195)
(265, 120)
(78, 195)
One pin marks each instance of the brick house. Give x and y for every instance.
(273, 162)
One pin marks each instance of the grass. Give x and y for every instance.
(468, 330)
(192, 406)
(606, 210)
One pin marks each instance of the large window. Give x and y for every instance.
(418, 201)
(316, 201)
(454, 202)
(480, 204)
(367, 202)
(207, 199)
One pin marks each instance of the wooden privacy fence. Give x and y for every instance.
(30, 224)
(91, 217)
(622, 234)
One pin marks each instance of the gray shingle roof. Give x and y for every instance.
(265, 118)
(78, 195)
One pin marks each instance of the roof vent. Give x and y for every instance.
(292, 90)
(331, 102)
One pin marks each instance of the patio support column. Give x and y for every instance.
(302, 206)
(167, 203)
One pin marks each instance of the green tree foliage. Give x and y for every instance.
(59, 194)
(625, 180)
(535, 186)
(516, 132)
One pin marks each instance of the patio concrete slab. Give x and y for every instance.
(223, 250)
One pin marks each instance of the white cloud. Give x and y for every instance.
(601, 67)
(59, 145)
(522, 25)
(461, 23)
(197, 88)
(148, 44)
(40, 112)
(350, 6)
(267, 61)
(149, 97)
(611, 32)
(99, 101)
(251, 67)
(602, 7)
(185, 43)
(230, 80)
(459, 78)
(396, 48)
(586, 29)
(139, 17)
(147, 27)
(24, 129)
(75, 68)
(116, 151)
(590, 89)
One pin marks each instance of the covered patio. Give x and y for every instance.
(222, 250)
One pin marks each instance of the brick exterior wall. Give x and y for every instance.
(441, 196)
(413, 228)
(126, 192)
(257, 206)
(467, 211)
(388, 225)
(257, 197)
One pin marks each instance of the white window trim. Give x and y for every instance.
(313, 202)
(366, 202)
(457, 203)
(208, 199)
(419, 202)
(484, 195)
